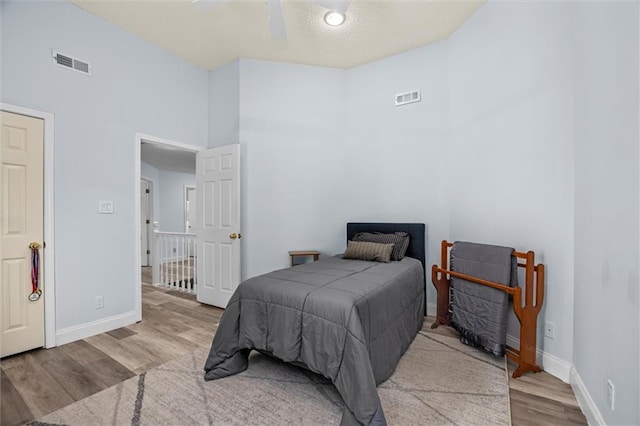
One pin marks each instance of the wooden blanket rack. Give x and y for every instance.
(525, 356)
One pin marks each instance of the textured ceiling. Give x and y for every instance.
(212, 33)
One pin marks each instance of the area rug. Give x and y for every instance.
(438, 381)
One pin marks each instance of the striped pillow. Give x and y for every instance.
(364, 250)
(400, 241)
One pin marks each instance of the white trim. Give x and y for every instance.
(150, 213)
(140, 137)
(553, 365)
(103, 325)
(557, 367)
(161, 141)
(186, 188)
(432, 309)
(48, 281)
(585, 401)
(154, 222)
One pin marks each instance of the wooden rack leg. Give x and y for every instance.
(528, 317)
(528, 348)
(442, 284)
(442, 292)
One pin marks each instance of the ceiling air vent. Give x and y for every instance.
(71, 63)
(407, 98)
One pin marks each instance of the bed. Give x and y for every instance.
(348, 320)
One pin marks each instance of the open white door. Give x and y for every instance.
(218, 224)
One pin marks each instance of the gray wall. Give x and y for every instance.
(605, 76)
(171, 214)
(511, 149)
(224, 105)
(397, 169)
(291, 121)
(135, 87)
(168, 196)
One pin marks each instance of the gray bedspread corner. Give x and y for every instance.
(337, 317)
(478, 312)
(230, 359)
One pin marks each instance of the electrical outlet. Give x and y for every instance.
(550, 330)
(611, 395)
(99, 302)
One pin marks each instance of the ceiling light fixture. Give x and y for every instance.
(334, 18)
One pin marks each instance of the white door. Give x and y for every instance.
(145, 222)
(21, 223)
(218, 224)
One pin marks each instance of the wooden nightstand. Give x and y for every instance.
(304, 253)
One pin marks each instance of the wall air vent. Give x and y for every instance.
(71, 63)
(407, 98)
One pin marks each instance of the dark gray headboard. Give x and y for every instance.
(416, 232)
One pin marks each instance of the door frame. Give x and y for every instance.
(48, 278)
(141, 137)
(150, 212)
(185, 190)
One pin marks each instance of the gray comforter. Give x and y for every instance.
(348, 320)
(479, 312)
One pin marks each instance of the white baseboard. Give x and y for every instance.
(557, 367)
(585, 401)
(553, 365)
(432, 309)
(82, 331)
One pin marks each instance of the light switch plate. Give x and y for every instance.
(105, 207)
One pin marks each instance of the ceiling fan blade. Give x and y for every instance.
(338, 6)
(276, 20)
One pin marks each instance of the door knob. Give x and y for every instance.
(233, 236)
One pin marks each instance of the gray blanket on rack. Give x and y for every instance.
(480, 312)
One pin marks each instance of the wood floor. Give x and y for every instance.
(41, 381)
(536, 399)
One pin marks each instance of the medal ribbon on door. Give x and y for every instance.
(36, 292)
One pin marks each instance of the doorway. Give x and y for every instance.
(167, 155)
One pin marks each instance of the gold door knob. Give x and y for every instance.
(34, 245)
(233, 236)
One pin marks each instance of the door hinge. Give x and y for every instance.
(147, 190)
(148, 221)
(148, 251)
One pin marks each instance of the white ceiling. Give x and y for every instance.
(212, 33)
(167, 158)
